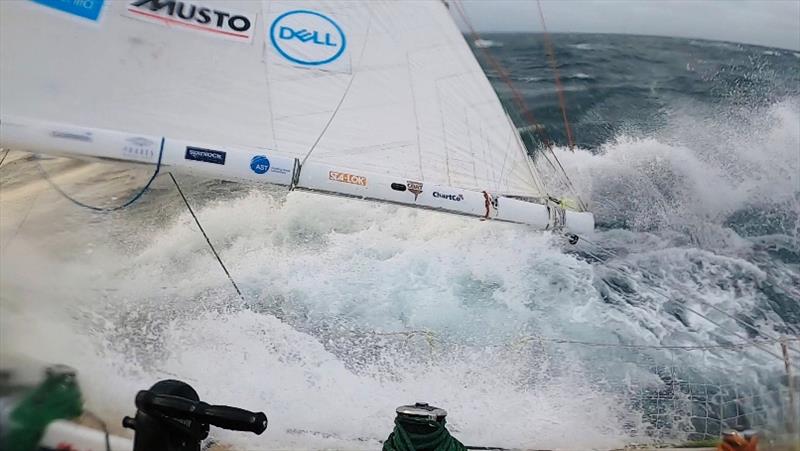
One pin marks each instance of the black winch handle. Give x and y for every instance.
(226, 417)
(234, 418)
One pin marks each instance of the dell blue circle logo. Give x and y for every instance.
(259, 164)
(307, 37)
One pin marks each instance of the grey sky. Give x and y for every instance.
(774, 23)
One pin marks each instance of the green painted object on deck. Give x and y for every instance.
(439, 439)
(57, 397)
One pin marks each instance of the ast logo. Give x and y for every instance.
(259, 164)
(347, 178)
(307, 37)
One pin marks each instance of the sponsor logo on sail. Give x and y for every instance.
(139, 148)
(85, 137)
(307, 37)
(205, 155)
(88, 9)
(344, 177)
(220, 22)
(415, 188)
(453, 197)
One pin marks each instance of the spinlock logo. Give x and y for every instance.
(205, 155)
(259, 164)
(453, 197)
(216, 21)
(307, 37)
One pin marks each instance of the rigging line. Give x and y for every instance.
(520, 102)
(4, 156)
(344, 94)
(208, 241)
(103, 426)
(732, 346)
(432, 336)
(767, 351)
(516, 95)
(683, 303)
(130, 201)
(707, 304)
(551, 53)
(330, 119)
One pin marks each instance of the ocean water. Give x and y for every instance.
(688, 153)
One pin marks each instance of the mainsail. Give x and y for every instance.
(375, 99)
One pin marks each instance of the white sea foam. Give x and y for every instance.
(131, 299)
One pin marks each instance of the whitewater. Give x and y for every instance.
(352, 308)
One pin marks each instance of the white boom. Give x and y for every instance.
(262, 166)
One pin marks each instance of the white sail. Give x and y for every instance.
(381, 88)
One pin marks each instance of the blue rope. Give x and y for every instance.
(108, 209)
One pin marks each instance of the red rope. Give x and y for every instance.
(518, 99)
(559, 89)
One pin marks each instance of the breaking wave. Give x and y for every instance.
(350, 309)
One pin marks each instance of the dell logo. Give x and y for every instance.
(307, 38)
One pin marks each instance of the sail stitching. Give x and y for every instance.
(265, 54)
(444, 131)
(416, 115)
(344, 94)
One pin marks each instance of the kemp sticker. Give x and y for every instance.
(205, 155)
(307, 38)
(88, 9)
(347, 178)
(415, 188)
(219, 22)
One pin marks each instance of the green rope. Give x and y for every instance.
(58, 397)
(439, 439)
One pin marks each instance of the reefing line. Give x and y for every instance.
(128, 203)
